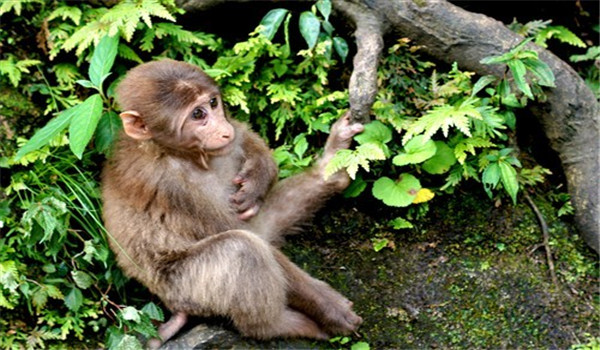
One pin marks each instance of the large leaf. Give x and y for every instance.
(309, 28)
(442, 160)
(490, 178)
(272, 21)
(374, 132)
(400, 193)
(84, 124)
(48, 132)
(417, 150)
(107, 131)
(324, 6)
(482, 83)
(103, 59)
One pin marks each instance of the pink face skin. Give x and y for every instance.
(203, 125)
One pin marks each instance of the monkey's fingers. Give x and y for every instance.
(248, 214)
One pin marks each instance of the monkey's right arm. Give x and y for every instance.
(257, 175)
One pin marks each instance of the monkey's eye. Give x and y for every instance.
(214, 102)
(198, 114)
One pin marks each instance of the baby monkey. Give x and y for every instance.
(195, 212)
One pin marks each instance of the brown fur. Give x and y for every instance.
(175, 226)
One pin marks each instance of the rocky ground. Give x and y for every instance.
(466, 276)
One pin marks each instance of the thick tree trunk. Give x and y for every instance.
(570, 116)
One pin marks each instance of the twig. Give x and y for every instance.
(546, 243)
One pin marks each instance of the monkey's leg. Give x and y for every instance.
(168, 329)
(331, 310)
(294, 200)
(236, 274)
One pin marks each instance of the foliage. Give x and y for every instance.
(455, 128)
(58, 277)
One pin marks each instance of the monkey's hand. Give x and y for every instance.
(254, 181)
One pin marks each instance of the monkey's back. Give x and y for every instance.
(156, 206)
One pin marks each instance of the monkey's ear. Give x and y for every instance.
(134, 126)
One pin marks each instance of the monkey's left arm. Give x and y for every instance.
(256, 176)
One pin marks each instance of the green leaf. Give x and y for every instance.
(130, 313)
(324, 6)
(374, 132)
(442, 160)
(272, 21)
(103, 59)
(84, 124)
(74, 299)
(518, 71)
(490, 178)
(82, 279)
(86, 83)
(508, 176)
(361, 345)
(107, 131)
(482, 83)
(128, 342)
(417, 150)
(48, 132)
(400, 193)
(309, 28)
(380, 243)
(400, 223)
(341, 47)
(541, 71)
(356, 187)
(154, 312)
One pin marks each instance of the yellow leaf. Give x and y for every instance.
(423, 195)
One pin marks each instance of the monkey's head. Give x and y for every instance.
(176, 105)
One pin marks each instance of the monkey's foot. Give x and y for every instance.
(336, 316)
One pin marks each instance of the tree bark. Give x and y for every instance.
(570, 116)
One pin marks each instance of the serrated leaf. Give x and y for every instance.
(417, 150)
(341, 47)
(74, 299)
(442, 160)
(423, 196)
(271, 22)
(107, 132)
(130, 313)
(82, 279)
(508, 176)
(103, 59)
(518, 71)
(154, 312)
(309, 28)
(83, 125)
(48, 132)
(400, 193)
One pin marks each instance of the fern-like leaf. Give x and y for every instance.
(71, 12)
(469, 145)
(558, 32)
(353, 159)
(443, 117)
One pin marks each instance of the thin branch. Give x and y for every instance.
(546, 235)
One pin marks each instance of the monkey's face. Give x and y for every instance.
(203, 125)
